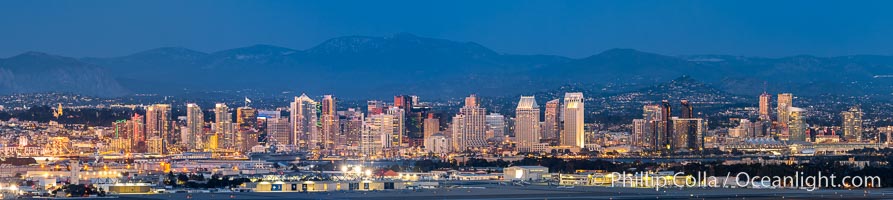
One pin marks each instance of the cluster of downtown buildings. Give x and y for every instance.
(408, 128)
(402, 128)
(658, 132)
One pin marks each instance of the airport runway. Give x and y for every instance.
(499, 192)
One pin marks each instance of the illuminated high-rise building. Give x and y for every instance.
(278, 131)
(688, 134)
(374, 107)
(527, 123)
(785, 102)
(469, 126)
(552, 124)
(304, 122)
(195, 126)
(652, 112)
(377, 131)
(246, 117)
(137, 132)
(664, 127)
(496, 125)
(329, 120)
(573, 113)
(852, 124)
(639, 135)
(432, 125)
(224, 130)
(396, 138)
(351, 127)
(158, 122)
(652, 128)
(796, 124)
(403, 101)
(121, 129)
(764, 106)
(247, 133)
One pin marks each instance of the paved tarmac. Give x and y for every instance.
(502, 192)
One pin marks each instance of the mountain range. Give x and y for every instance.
(363, 66)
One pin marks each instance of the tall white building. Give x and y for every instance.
(303, 122)
(640, 136)
(329, 125)
(469, 126)
(527, 123)
(852, 124)
(195, 125)
(223, 126)
(377, 131)
(573, 134)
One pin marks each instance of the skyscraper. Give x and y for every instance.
(551, 125)
(852, 124)
(404, 101)
(329, 121)
(376, 134)
(688, 134)
(654, 134)
(304, 122)
(665, 126)
(223, 127)
(374, 107)
(396, 138)
(432, 125)
(195, 126)
(639, 133)
(495, 125)
(246, 121)
(138, 134)
(246, 117)
(764, 106)
(469, 126)
(796, 124)
(785, 102)
(351, 126)
(527, 123)
(158, 122)
(573, 113)
(278, 131)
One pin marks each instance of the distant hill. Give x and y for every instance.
(363, 66)
(39, 72)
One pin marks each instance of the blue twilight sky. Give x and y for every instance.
(568, 28)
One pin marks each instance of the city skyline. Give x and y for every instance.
(576, 99)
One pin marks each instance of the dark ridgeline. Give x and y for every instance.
(361, 66)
